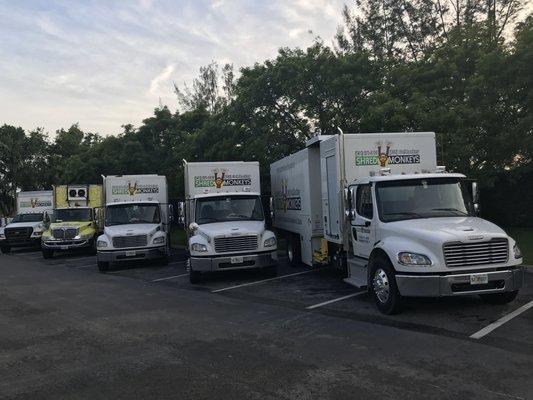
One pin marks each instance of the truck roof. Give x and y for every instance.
(73, 208)
(132, 202)
(225, 194)
(398, 177)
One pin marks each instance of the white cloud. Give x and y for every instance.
(162, 78)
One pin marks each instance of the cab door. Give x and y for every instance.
(362, 222)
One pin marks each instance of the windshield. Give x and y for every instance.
(422, 198)
(35, 217)
(132, 214)
(72, 215)
(228, 208)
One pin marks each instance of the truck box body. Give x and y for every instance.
(296, 195)
(224, 218)
(27, 226)
(390, 214)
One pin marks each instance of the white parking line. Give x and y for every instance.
(264, 280)
(506, 318)
(335, 300)
(86, 266)
(169, 277)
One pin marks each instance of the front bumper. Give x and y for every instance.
(459, 284)
(249, 261)
(120, 255)
(65, 244)
(22, 242)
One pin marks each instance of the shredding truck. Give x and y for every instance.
(225, 219)
(136, 220)
(377, 208)
(27, 227)
(72, 224)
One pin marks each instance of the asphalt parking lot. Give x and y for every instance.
(301, 334)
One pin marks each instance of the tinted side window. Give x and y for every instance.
(364, 201)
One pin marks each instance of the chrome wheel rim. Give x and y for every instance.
(289, 253)
(381, 285)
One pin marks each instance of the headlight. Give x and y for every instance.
(517, 252)
(160, 239)
(270, 242)
(101, 243)
(37, 234)
(407, 258)
(198, 247)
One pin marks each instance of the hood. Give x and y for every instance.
(131, 229)
(446, 229)
(23, 224)
(70, 224)
(232, 228)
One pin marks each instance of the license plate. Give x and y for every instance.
(479, 279)
(236, 260)
(130, 253)
(64, 247)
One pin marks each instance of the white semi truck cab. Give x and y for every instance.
(393, 221)
(28, 225)
(136, 220)
(224, 219)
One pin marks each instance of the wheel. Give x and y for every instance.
(103, 266)
(499, 298)
(5, 248)
(293, 251)
(383, 286)
(48, 253)
(92, 247)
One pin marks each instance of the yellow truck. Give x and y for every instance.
(73, 223)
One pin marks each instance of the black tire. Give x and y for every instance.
(5, 248)
(103, 266)
(48, 253)
(92, 247)
(293, 251)
(499, 298)
(383, 286)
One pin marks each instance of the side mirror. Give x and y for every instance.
(170, 213)
(193, 227)
(181, 213)
(475, 196)
(46, 219)
(271, 206)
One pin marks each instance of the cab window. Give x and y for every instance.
(364, 201)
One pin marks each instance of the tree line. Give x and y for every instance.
(460, 68)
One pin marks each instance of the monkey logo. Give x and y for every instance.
(219, 179)
(383, 158)
(132, 189)
(33, 203)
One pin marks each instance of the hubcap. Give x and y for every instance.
(381, 285)
(289, 252)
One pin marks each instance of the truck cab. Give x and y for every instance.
(225, 220)
(136, 220)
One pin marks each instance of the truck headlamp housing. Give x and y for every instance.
(199, 247)
(516, 251)
(270, 242)
(407, 258)
(160, 239)
(2, 236)
(37, 234)
(101, 243)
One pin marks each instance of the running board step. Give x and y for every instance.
(360, 283)
(358, 272)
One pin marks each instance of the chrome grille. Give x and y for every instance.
(458, 254)
(235, 243)
(58, 233)
(130, 241)
(15, 235)
(64, 233)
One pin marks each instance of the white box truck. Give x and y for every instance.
(380, 210)
(136, 220)
(27, 227)
(224, 219)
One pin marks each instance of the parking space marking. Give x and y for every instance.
(263, 280)
(86, 266)
(169, 277)
(506, 318)
(335, 300)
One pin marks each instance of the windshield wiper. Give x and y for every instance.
(406, 213)
(450, 209)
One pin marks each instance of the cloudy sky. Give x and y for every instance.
(105, 63)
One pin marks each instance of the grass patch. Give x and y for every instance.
(524, 237)
(177, 237)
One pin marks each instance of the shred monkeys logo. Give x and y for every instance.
(288, 199)
(34, 203)
(221, 178)
(133, 188)
(386, 155)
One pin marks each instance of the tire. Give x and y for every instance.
(383, 286)
(499, 298)
(103, 266)
(48, 253)
(293, 251)
(5, 248)
(92, 247)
